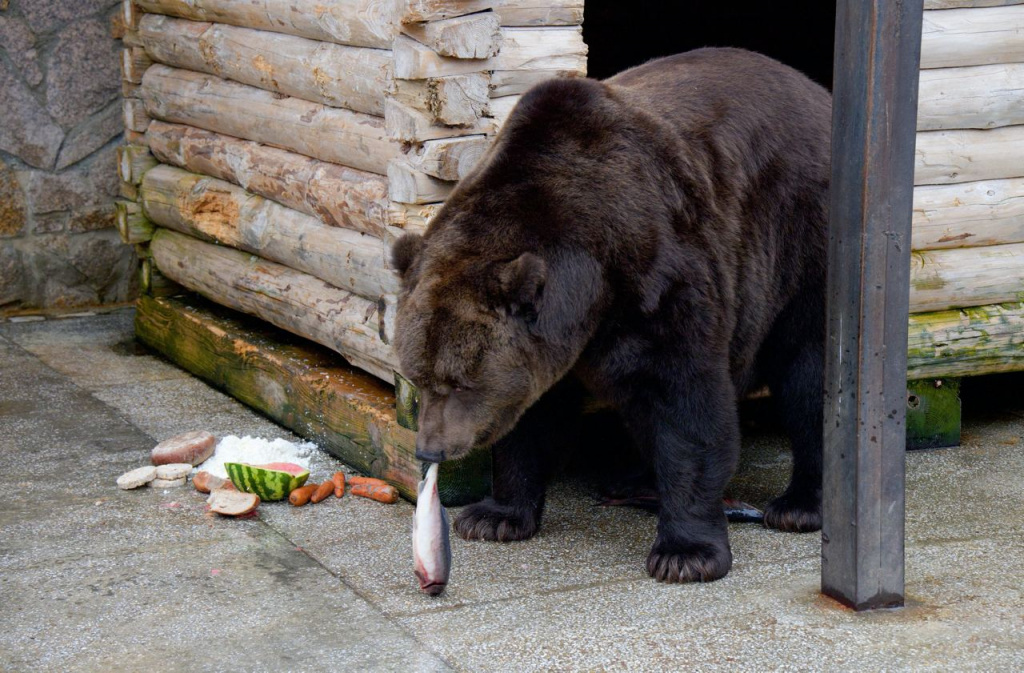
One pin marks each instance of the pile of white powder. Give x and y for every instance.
(256, 451)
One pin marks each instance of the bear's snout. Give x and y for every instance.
(429, 455)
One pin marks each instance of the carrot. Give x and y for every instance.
(382, 492)
(322, 491)
(339, 484)
(301, 495)
(373, 481)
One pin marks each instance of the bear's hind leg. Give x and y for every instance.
(693, 431)
(521, 463)
(794, 369)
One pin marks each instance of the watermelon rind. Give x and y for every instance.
(266, 483)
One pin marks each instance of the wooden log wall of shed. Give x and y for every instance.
(354, 78)
(289, 299)
(339, 196)
(216, 210)
(331, 134)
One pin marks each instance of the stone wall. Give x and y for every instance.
(60, 124)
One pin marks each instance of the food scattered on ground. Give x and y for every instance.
(738, 511)
(138, 477)
(301, 495)
(272, 481)
(230, 502)
(190, 447)
(352, 481)
(167, 483)
(256, 451)
(173, 470)
(338, 479)
(431, 547)
(381, 492)
(206, 482)
(322, 491)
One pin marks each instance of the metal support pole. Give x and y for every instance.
(873, 129)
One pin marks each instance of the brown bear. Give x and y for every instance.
(655, 240)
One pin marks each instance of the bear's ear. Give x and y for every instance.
(521, 283)
(404, 252)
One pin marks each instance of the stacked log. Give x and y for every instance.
(276, 149)
(459, 67)
(968, 233)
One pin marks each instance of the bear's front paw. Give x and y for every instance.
(794, 513)
(488, 520)
(688, 562)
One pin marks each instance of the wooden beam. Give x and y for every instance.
(976, 97)
(135, 115)
(412, 218)
(954, 38)
(522, 50)
(511, 12)
(457, 100)
(944, 279)
(354, 78)
(292, 300)
(216, 210)
(471, 36)
(448, 158)
(956, 4)
(331, 134)
(339, 196)
(968, 214)
(874, 110)
(303, 387)
(407, 185)
(134, 62)
(966, 342)
(359, 23)
(967, 155)
(133, 161)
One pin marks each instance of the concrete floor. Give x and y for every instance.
(97, 579)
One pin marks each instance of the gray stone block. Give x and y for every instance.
(27, 131)
(11, 276)
(83, 73)
(92, 182)
(19, 43)
(46, 16)
(91, 134)
(12, 204)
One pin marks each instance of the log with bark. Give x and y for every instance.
(331, 134)
(408, 185)
(132, 225)
(471, 36)
(354, 78)
(412, 218)
(339, 196)
(290, 299)
(522, 50)
(953, 38)
(966, 342)
(360, 23)
(961, 277)
(133, 161)
(219, 211)
(976, 97)
(135, 116)
(510, 12)
(448, 158)
(134, 62)
(968, 214)
(457, 100)
(946, 157)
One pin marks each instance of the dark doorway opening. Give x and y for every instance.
(621, 34)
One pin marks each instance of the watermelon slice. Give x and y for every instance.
(273, 481)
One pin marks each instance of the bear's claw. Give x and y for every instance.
(699, 562)
(489, 520)
(793, 514)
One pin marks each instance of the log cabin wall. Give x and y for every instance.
(967, 275)
(276, 149)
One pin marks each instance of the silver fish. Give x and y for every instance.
(431, 548)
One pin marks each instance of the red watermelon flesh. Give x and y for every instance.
(290, 468)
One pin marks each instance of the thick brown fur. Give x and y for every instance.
(656, 240)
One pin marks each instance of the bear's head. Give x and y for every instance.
(463, 336)
(501, 295)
